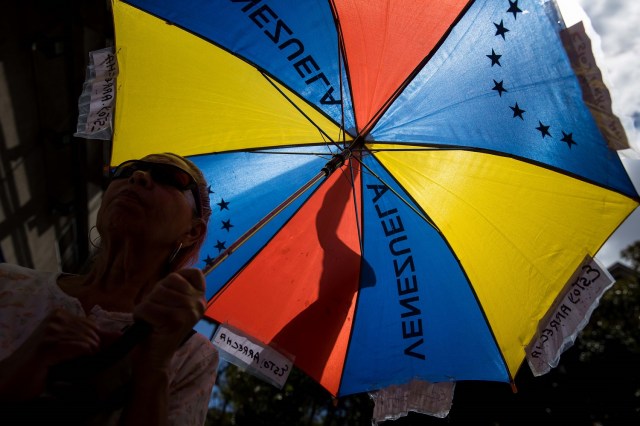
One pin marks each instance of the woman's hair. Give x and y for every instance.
(203, 186)
(190, 255)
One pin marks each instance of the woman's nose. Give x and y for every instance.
(140, 177)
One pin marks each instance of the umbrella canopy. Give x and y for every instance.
(471, 179)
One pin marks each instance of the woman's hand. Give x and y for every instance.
(61, 336)
(172, 308)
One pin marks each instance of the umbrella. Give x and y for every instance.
(400, 189)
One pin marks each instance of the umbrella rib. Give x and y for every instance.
(435, 147)
(261, 223)
(322, 132)
(430, 222)
(425, 217)
(401, 87)
(421, 214)
(340, 64)
(343, 64)
(355, 207)
(264, 73)
(316, 154)
(336, 161)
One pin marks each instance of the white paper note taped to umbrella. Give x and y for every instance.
(97, 101)
(568, 316)
(393, 402)
(256, 358)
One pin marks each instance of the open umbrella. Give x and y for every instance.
(401, 189)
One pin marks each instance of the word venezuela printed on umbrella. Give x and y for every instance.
(267, 20)
(404, 270)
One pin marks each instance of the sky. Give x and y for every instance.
(617, 36)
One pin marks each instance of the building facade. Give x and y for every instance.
(51, 180)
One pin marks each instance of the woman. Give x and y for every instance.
(152, 222)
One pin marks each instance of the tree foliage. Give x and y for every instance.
(632, 254)
(242, 399)
(616, 321)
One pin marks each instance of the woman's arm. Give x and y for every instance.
(59, 337)
(172, 309)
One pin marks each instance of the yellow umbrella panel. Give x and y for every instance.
(194, 97)
(517, 229)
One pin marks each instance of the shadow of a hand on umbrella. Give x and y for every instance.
(322, 327)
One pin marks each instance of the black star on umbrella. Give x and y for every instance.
(495, 58)
(543, 129)
(209, 190)
(220, 245)
(568, 138)
(499, 87)
(517, 112)
(500, 29)
(224, 205)
(513, 8)
(226, 224)
(209, 260)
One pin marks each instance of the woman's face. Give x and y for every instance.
(137, 205)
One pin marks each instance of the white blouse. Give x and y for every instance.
(28, 296)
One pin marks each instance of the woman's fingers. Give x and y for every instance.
(186, 286)
(62, 336)
(172, 308)
(194, 277)
(176, 301)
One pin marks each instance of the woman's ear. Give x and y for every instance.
(195, 233)
(191, 241)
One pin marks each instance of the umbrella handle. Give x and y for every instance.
(82, 368)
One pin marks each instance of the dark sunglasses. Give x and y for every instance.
(162, 173)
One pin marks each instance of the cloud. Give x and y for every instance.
(629, 231)
(616, 22)
(617, 38)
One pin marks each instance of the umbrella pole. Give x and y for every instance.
(337, 160)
